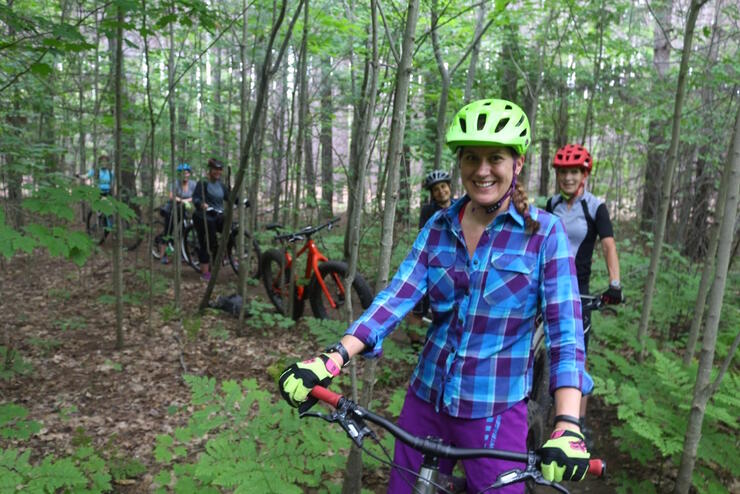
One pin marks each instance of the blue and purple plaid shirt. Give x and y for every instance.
(477, 360)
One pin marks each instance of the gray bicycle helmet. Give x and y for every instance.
(435, 177)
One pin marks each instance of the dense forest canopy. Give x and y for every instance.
(320, 108)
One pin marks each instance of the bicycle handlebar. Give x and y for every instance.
(350, 416)
(301, 234)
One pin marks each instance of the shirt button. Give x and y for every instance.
(460, 321)
(475, 262)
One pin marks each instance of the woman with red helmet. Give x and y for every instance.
(585, 217)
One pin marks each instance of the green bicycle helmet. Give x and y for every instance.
(490, 122)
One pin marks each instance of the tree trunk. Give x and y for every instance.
(326, 208)
(118, 246)
(152, 171)
(364, 109)
(668, 176)
(544, 168)
(703, 388)
(656, 139)
(395, 150)
(173, 159)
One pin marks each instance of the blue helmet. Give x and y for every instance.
(184, 167)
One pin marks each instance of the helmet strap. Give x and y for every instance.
(497, 205)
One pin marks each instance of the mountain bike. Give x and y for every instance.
(539, 406)
(98, 225)
(192, 246)
(323, 280)
(429, 480)
(161, 239)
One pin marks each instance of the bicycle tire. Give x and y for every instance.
(276, 280)
(254, 255)
(333, 273)
(190, 247)
(132, 234)
(95, 227)
(539, 406)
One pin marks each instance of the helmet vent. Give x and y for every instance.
(501, 124)
(520, 121)
(481, 121)
(508, 107)
(523, 133)
(462, 124)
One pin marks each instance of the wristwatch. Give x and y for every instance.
(339, 348)
(615, 284)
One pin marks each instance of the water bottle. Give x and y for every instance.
(170, 249)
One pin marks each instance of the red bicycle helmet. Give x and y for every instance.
(573, 155)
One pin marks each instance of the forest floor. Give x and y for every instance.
(61, 319)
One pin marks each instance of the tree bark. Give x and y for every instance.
(668, 176)
(656, 140)
(326, 207)
(704, 388)
(118, 245)
(364, 109)
(171, 102)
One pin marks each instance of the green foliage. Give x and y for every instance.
(252, 444)
(653, 400)
(84, 471)
(264, 316)
(12, 363)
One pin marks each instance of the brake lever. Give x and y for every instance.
(352, 424)
(517, 475)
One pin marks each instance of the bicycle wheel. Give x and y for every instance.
(190, 247)
(253, 269)
(539, 406)
(132, 233)
(159, 238)
(95, 226)
(333, 273)
(276, 280)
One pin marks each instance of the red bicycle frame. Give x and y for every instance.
(312, 266)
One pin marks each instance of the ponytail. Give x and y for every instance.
(519, 198)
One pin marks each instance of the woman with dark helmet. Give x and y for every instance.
(488, 263)
(209, 199)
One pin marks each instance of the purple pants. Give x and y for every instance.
(507, 430)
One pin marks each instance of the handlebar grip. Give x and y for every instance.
(597, 467)
(323, 394)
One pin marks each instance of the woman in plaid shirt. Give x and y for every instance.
(488, 262)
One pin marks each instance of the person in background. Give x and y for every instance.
(103, 178)
(585, 218)
(209, 199)
(437, 182)
(488, 263)
(181, 194)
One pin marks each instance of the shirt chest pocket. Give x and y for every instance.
(510, 282)
(441, 281)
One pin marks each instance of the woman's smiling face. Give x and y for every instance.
(487, 172)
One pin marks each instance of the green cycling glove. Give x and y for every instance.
(297, 381)
(564, 456)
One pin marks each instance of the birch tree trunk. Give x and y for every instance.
(365, 110)
(703, 388)
(395, 150)
(694, 9)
